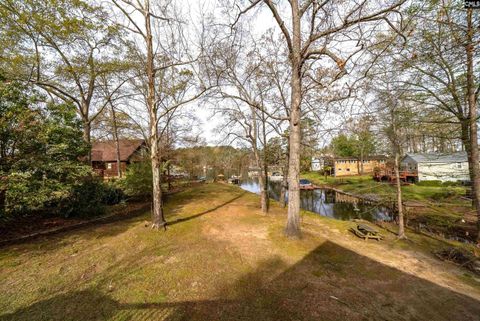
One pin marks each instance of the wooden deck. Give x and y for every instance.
(389, 176)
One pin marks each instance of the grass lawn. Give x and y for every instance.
(221, 259)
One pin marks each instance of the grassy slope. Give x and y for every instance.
(362, 185)
(444, 207)
(223, 260)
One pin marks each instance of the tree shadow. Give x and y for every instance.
(112, 226)
(188, 218)
(330, 283)
(93, 229)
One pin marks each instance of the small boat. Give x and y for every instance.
(305, 184)
(276, 177)
(234, 180)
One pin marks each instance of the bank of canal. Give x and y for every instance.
(329, 202)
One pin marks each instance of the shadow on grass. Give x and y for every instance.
(330, 283)
(118, 225)
(188, 218)
(53, 239)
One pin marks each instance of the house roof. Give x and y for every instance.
(105, 151)
(373, 157)
(457, 157)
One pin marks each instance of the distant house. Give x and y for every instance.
(348, 166)
(437, 166)
(317, 164)
(104, 155)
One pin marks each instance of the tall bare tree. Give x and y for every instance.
(166, 78)
(313, 30)
(395, 116)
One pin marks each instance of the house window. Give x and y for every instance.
(109, 165)
(348, 169)
(459, 165)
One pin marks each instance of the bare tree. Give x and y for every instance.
(166, 78)
(315, 30)
(395, 116)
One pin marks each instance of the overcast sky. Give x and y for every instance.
(261, 20)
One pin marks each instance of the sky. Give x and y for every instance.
(261, 20)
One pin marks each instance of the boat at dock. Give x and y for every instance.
(305, 184)
(276, 177)
(234, 180)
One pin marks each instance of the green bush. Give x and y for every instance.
(438, 183)
(112, 194)
(40, 169)
(70, 190)
(86, 199)
(457, 183)
(44, 187)
(432, 183)
(444, 194)
(138, 180)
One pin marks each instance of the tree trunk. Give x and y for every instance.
(169, 178)
(262, 177)
(465, 136)
(117, 144)
(87, 138)
(265, 196)
(474, 166)
(401, 228)
(284, 188)
(293, 220)
(361, 162)
(158, 219)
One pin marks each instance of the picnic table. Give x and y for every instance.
(366, 232)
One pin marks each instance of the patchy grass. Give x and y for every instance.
(222, 259)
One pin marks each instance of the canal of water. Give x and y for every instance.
(327, 202)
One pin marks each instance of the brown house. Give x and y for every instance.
(104, 155)
(348, 166)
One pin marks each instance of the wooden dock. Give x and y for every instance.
(309, 187)
(389, 176)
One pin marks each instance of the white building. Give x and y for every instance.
(317, 163)
(437, 166)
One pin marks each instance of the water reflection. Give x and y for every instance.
(328, 202)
